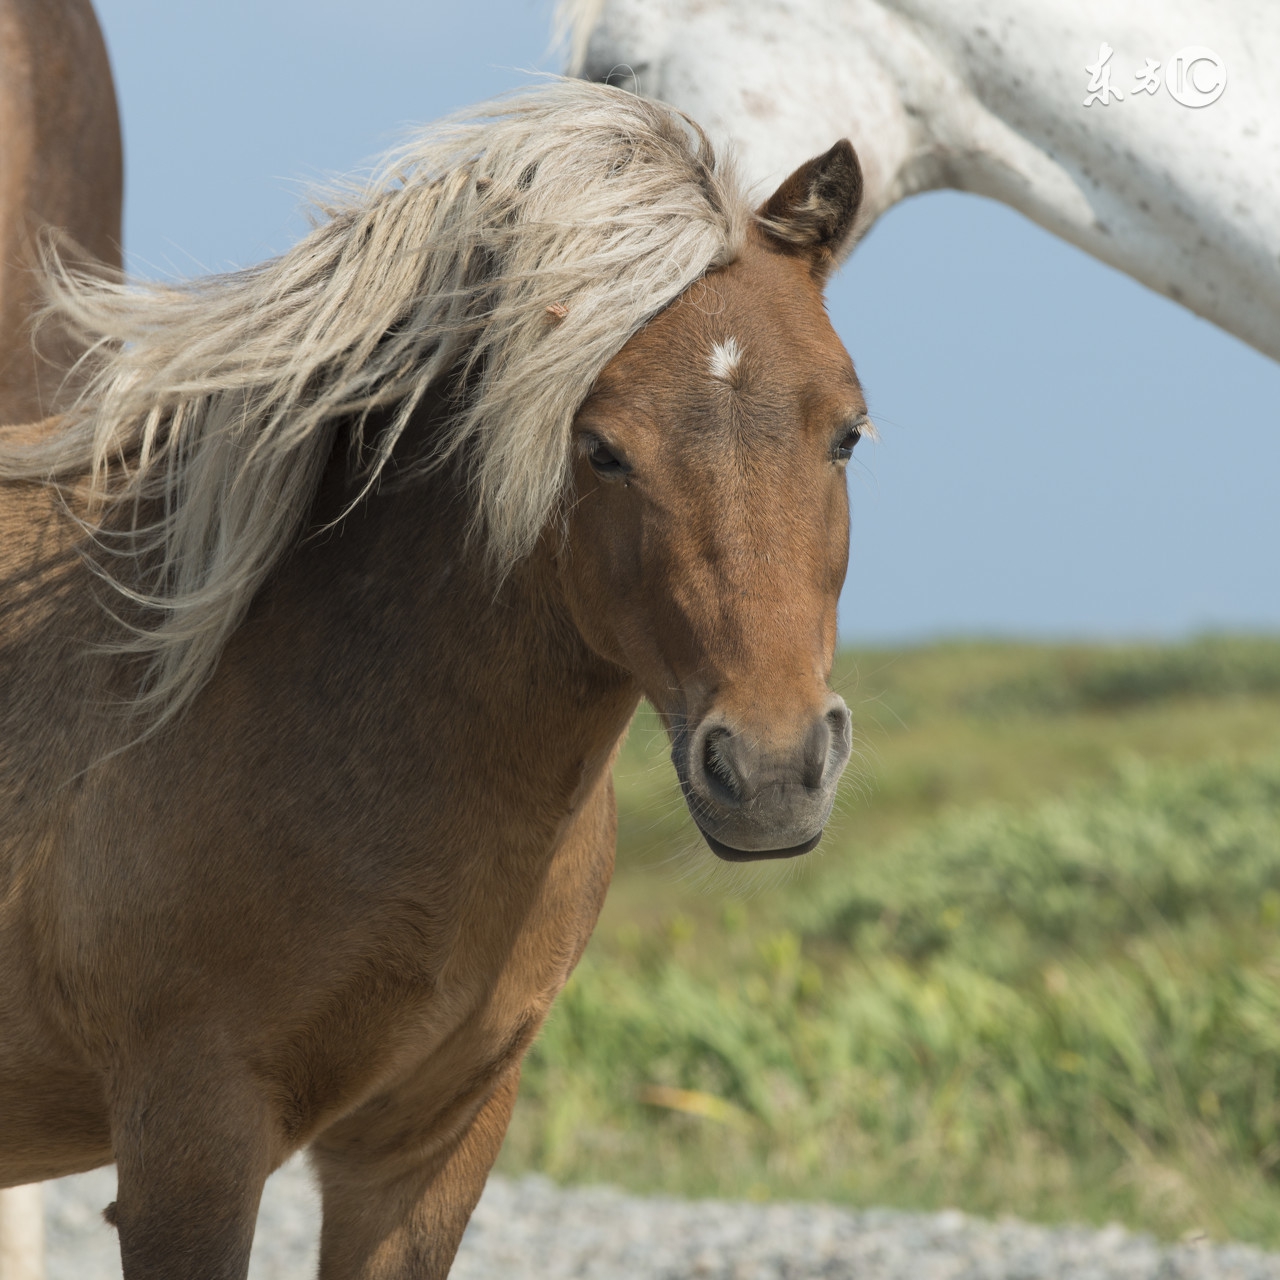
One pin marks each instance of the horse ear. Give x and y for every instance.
(813, 212)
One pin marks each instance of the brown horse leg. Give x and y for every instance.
(193, 1148)
(394, 1207)
(60, 165)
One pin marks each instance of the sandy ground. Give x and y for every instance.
(529, 1227)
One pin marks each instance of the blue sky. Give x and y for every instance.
(1064, 453)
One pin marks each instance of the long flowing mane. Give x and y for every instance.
(511, 251)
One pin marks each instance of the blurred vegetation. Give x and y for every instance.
(1212, 667)
(1034, 966)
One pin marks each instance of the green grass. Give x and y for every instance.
(1035, 969)
(1213, 667)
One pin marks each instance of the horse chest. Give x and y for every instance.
(444, 1006)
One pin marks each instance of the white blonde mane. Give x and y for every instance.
(521, 244)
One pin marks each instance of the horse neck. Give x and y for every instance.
(382, 682)
(387, 642)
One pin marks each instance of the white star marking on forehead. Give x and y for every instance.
(725, 357)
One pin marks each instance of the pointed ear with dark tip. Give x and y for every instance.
(813, 212)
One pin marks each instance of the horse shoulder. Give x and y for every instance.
(47, 616)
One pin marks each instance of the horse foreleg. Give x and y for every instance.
(22, 1233)
(395, 1201)
(193, 1149)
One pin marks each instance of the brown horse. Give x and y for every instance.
(325, 609)
(60, 167)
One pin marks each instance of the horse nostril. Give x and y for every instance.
(827, 748)
(839, 740)
(841, 724)
(817, 752)
(718, 767)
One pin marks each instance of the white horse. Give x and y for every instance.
(1171, 173)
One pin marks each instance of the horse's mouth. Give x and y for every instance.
(730, 854)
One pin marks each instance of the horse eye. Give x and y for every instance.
(844, 450)
(604, 462)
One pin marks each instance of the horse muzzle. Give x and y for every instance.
(753, 796)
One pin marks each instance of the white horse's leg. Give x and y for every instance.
(22, 1233)
(988, 96)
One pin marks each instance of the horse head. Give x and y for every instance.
(709, 533)
(652, 375)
